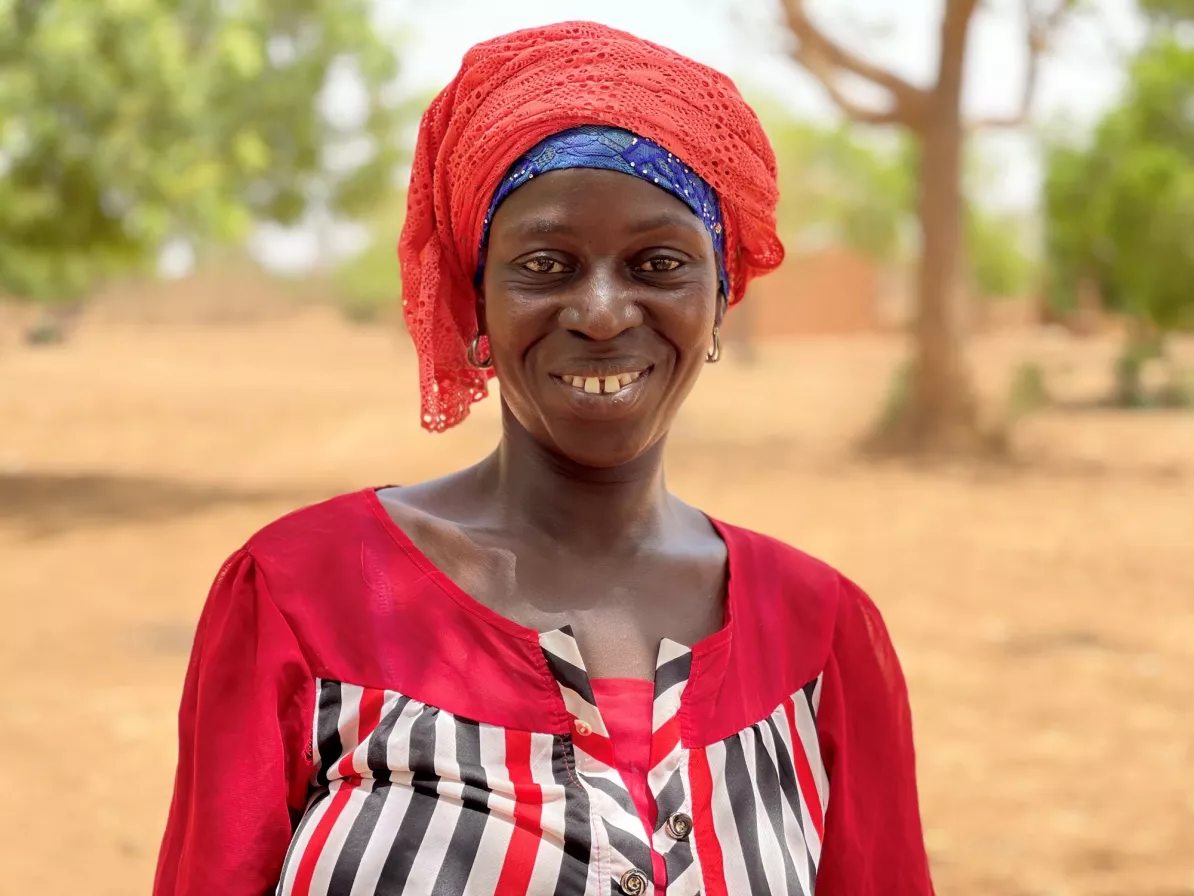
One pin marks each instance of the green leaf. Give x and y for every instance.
(241, 47)
(251, 151)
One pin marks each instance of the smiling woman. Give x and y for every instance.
(600, 322)
(546, 674)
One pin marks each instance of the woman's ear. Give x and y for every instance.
(723, 305)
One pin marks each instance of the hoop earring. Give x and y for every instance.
(714, 354)
(474, 349)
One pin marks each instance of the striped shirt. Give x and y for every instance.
(353, 723)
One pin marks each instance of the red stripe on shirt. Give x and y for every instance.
(319, 838)
(665, 740)
(519, 864)
(370, 716)
(804, 772)
(596, 746)
(707, 846)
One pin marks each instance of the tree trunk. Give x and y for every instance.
(938, 414)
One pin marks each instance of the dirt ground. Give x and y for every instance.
(1044, 610)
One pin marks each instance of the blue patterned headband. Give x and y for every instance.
(614, 149)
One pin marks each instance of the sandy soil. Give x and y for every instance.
(1044, 611)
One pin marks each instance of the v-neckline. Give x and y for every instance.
(516, 629)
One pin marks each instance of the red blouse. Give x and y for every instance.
(353, 723)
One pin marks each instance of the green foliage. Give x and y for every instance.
(1119, 212)
(999, 264)
(368, 285)
(126, 123)
(1168, 12)
(836, 186)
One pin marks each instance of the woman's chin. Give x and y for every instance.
(602, 446)
(601, 439)
(599, 457)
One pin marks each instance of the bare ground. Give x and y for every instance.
(1044, 610)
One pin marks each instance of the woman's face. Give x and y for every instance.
(599, 300)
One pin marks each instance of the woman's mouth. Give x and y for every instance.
(592, 383)
(603, 395)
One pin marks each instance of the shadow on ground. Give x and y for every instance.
(43, 504)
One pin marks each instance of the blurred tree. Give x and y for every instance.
(937, 412)
(128, 123)
(367, 284)
(838, 186)
(1119, 211)
(835, 188)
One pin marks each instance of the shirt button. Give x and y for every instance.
(583, 728)
(633, 883)
(679, 826)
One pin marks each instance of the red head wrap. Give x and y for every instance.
(512, 92)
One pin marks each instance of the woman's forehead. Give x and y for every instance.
(581, 198)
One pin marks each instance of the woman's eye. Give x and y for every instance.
(543, 265)
(659, 265)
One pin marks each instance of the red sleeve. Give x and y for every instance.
(874, 843)
(243, 752)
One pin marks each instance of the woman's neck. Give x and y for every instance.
(586, 508)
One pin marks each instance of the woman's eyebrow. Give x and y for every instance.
(541, 227)
(684, 220)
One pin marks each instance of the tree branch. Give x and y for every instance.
(825, 59)
(851, 109)
(1039, 29)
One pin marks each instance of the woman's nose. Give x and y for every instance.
(601, 306)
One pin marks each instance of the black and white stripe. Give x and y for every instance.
(425, 802)
(760, 811)
(430, 806)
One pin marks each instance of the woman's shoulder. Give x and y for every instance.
(755, 554)
(320, 526)
(336, 547)
(339, 572)
(787, 583)
(791, 615)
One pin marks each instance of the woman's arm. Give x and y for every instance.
(244, 745)
(874, 844)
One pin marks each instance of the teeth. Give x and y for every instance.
(597, 385)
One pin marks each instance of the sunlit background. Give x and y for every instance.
(200, 330)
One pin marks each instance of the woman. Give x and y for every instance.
(546, 674)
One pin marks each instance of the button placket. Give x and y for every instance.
(673, 667)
